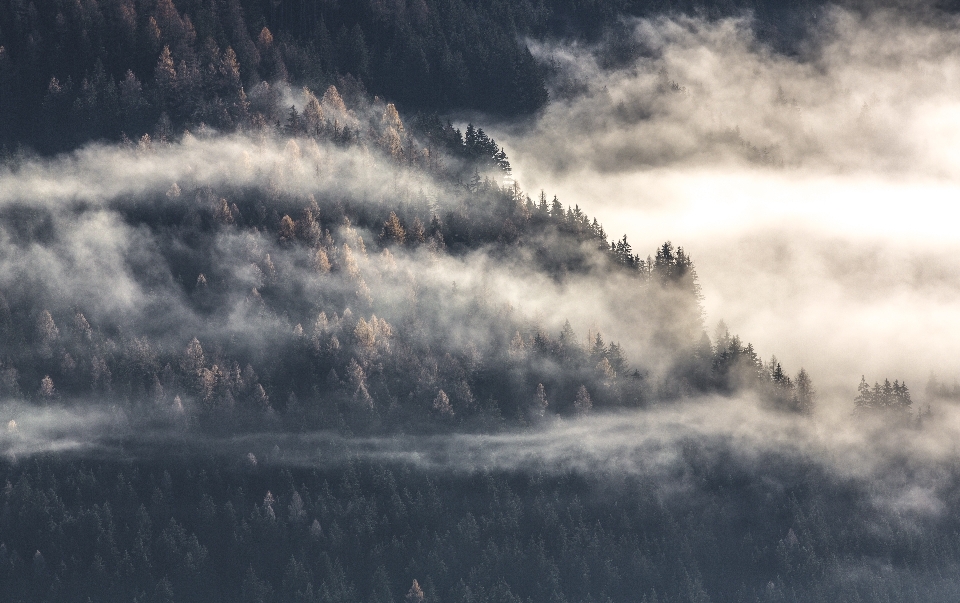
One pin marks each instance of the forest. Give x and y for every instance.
(279, 322)
(71, 72)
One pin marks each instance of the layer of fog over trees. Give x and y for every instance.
(427, 301)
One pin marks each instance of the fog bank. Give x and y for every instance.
(814, 192)
(905, 470)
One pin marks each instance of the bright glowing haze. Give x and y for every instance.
(817, 196)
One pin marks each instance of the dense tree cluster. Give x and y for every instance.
(336, 362)
(71, 72)
(728, 365)
(253, 531)
(889, 397)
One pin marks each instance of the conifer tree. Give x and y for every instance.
(582, 404)
(805, 393)
(393, 232)
(540, 405)
(441, 404)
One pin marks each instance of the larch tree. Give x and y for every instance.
(358, 381)
(313, 117)
(391, 143)
(393, 231)
(288, 229)
(307, 229)
(296, 510)
(605, 369)
(415, 594)
(391, 118)
(165, 80)
(47, 390)
(416, 233)
(365, 334)
(321, 262)
(441, 404)
(333, 105)
(230, 69)
(193, 360)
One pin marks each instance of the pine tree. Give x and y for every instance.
(540, 405)
(556, 210)
(805, 393)
(599, 350)
(617, 361)
(582, 404)
(165, 81)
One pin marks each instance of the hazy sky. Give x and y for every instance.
(815, 193)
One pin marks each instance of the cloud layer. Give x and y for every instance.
(813, 191)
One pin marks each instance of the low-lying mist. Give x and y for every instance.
(814, 191)
(904, 470)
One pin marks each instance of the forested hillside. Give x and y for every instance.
(347, 320)
(278, 324)
(72, 72)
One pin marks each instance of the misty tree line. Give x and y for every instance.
(346, 358)
(893, 401)
(361, 367)
(333, 362)
(336, 367)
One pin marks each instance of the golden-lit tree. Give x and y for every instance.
(393, 231)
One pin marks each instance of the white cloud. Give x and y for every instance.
(814, 192)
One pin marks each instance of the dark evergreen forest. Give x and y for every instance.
(77, 71)
(274, 329)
